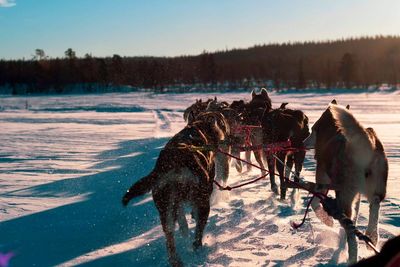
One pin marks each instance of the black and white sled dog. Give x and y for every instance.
(352, 158)
(183, 176)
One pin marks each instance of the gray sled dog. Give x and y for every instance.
(353, 159)
(183, 175)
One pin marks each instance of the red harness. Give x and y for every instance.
(246, 129)
(274, 148)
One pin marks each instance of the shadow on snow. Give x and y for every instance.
(63, 233)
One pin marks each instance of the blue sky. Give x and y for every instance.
(176, 27)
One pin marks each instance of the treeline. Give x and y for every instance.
(347, 63)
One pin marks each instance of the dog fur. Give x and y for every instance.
(190, 114)
(352, 158)
(259, 105)
(183, 176)
(280, 125)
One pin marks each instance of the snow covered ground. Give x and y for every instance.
(65, 162)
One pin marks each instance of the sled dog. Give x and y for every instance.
(259, 105)
(353, 159)
(280, 125)
(183, 175)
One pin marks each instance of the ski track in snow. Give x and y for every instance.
(66, 161)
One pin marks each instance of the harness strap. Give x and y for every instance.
(246, 129)
(229, 188)
(330, 205)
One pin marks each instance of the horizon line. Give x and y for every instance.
(272, 43)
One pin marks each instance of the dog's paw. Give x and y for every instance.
(274, 189)
(125, 200)
(280, 200)
(323, 216)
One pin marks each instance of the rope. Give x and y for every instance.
(314, 194)
(247, 130)
(331, 207)
(298, 225)
(238, 158)
(229, 188)
(194, 148)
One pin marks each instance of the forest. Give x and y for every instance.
(346, 63)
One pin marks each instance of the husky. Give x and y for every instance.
(240, 136)
(261, 100)
(254, 110)
(232, 119)
(182, 175)
(352, 158)
(190, 114)
(280, 125)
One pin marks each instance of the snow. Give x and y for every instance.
(65, 162)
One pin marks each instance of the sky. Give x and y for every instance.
(182, 27)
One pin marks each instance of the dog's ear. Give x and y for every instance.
(253, 93)
(190, 117)
(264, 92)
(348, 107)
(283, 105)
(334, 102)
(215, 98)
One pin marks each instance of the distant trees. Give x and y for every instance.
(118, 70)
(207, 68)
(39, 54)
(301, 80)
(344, 63)
(347, 70)
(70, 54)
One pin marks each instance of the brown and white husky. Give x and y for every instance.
(183, 176)
(352, 158)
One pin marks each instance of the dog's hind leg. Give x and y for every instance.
(298, 158)
(298, 163)
(345, 200)
(165, 203)
(289, 166)
(168, 225)
(356, 209)
(280, 168)
(237, 163)
(271, 170)
(373, 220)
(203, 210)
(248, 159)
(288, 170)
(376, 191)
(183, 226)
(258, 156)
(222, 166)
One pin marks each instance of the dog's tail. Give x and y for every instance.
(139, 188)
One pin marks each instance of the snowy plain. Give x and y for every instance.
(65, 162)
